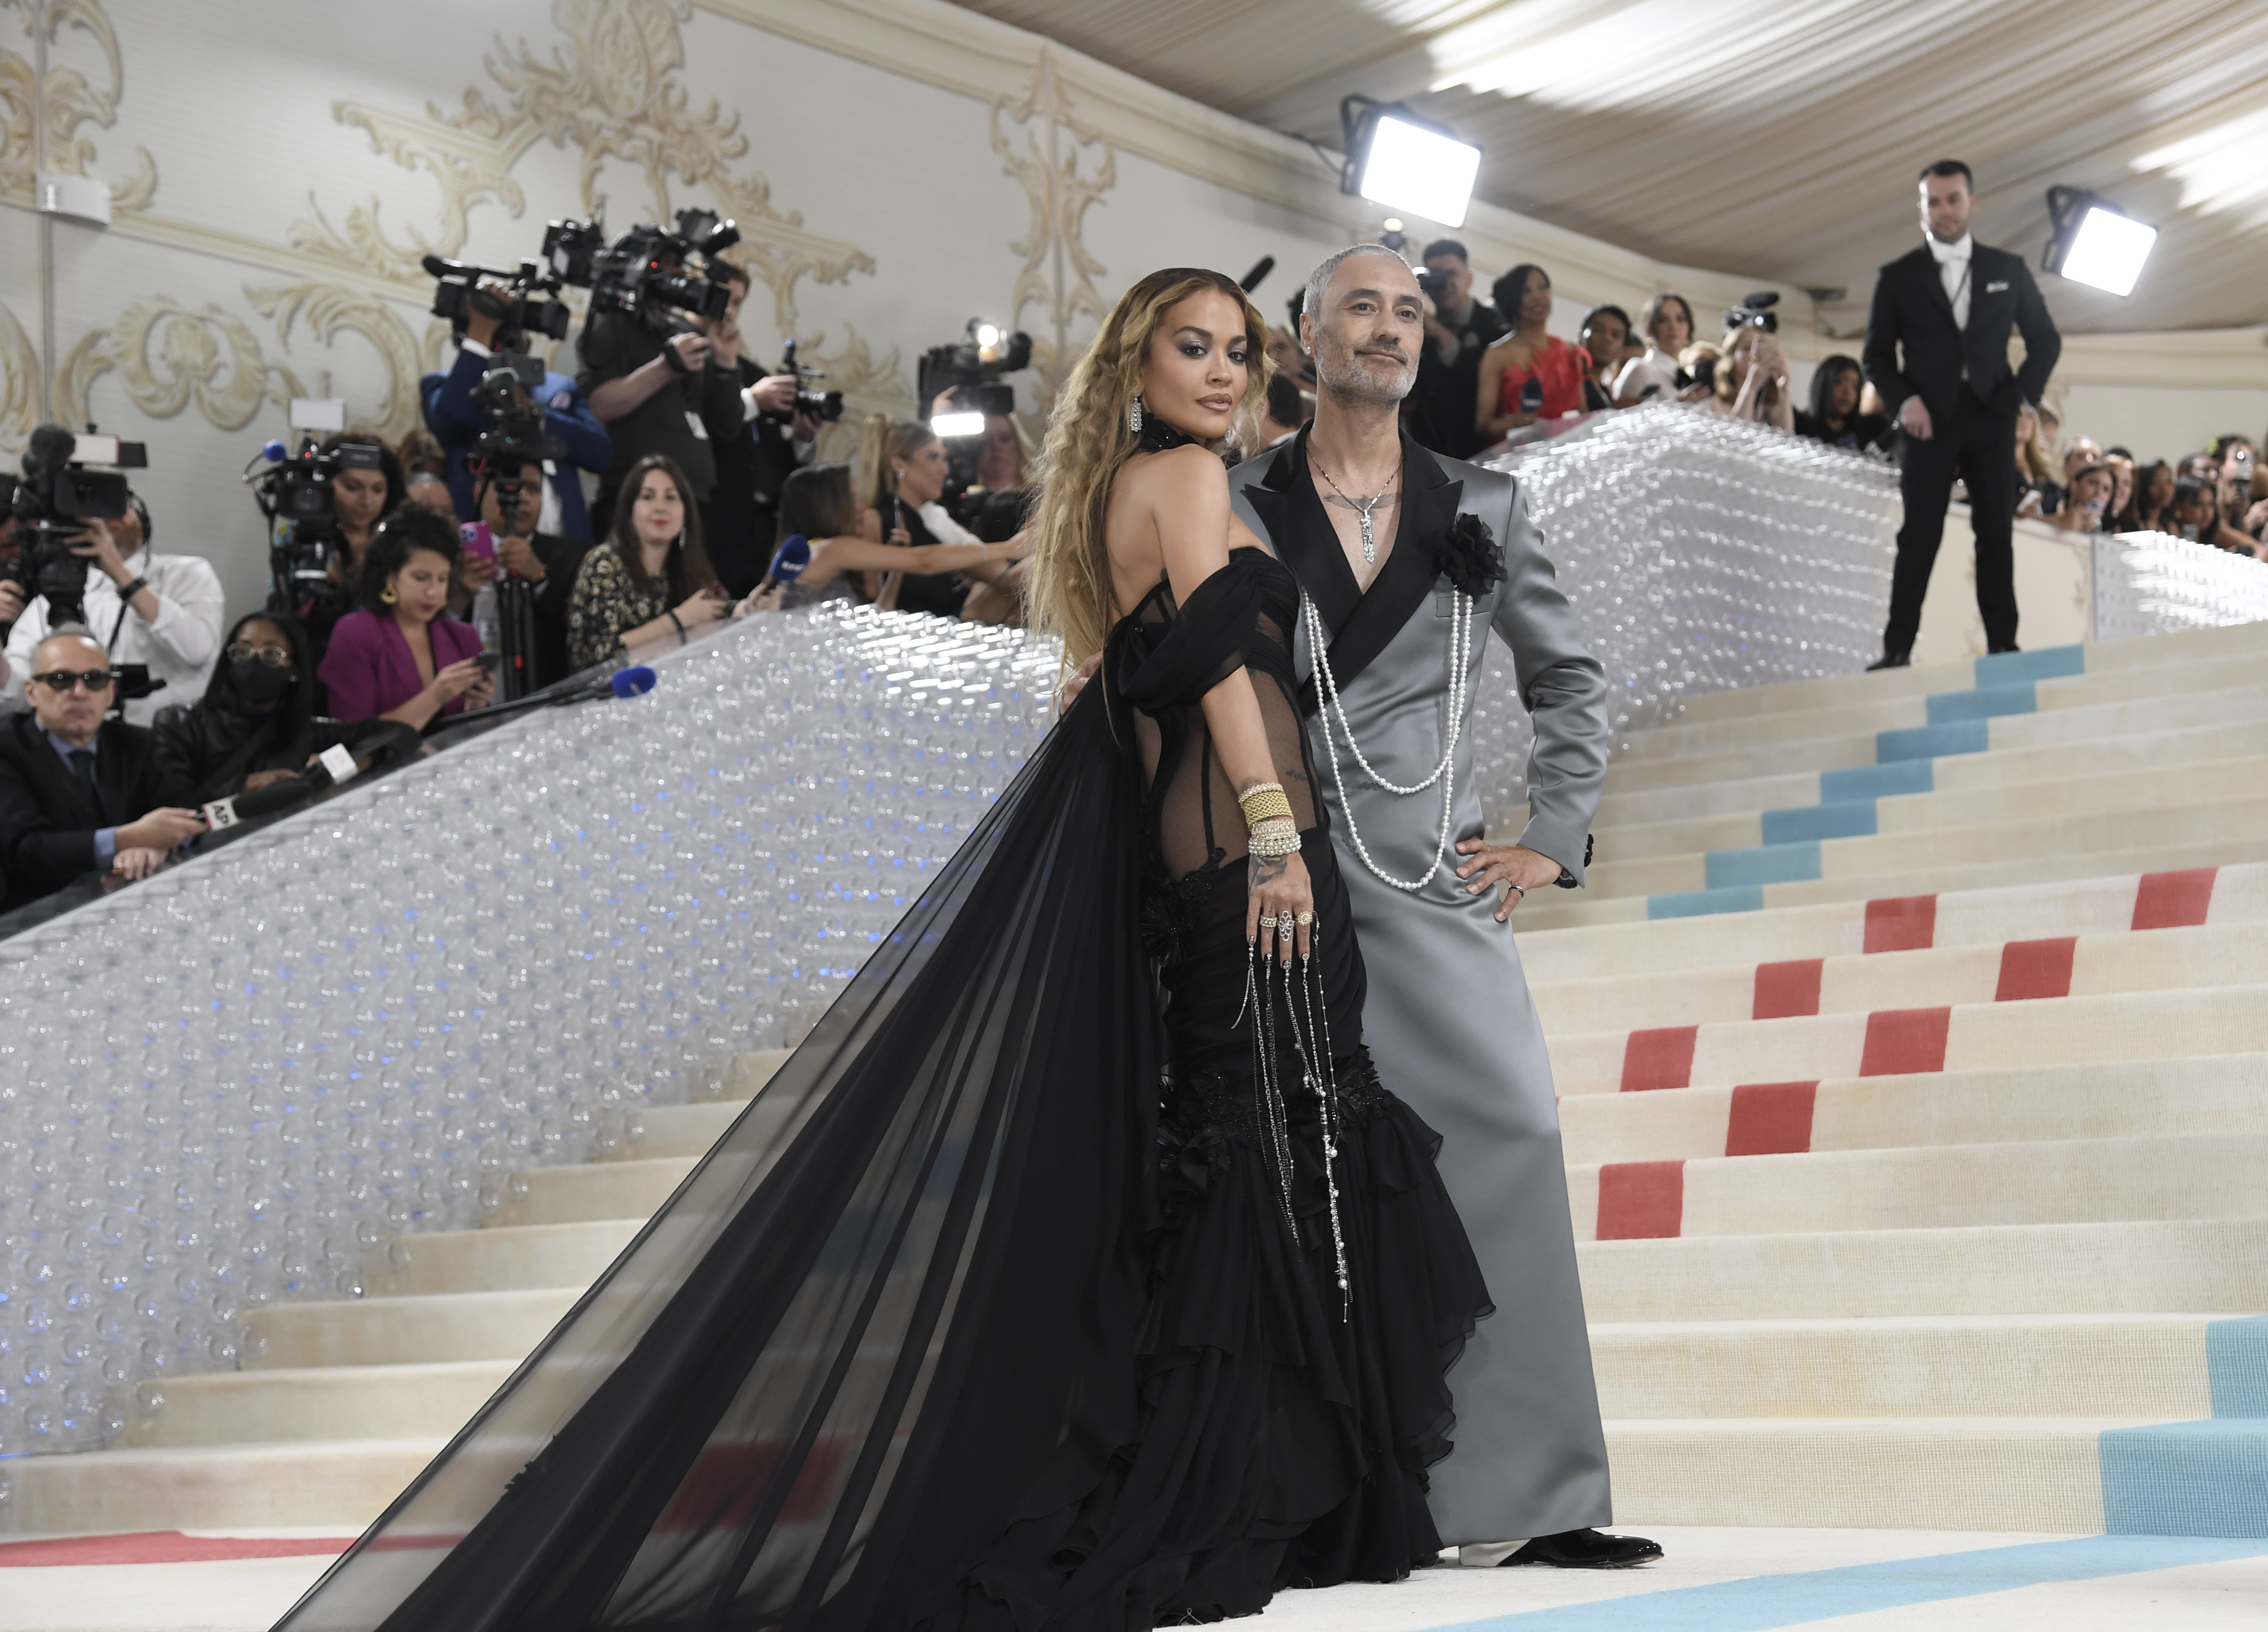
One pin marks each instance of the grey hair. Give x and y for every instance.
(75, 631)
(1321, 275)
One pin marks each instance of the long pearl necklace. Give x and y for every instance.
(1460, 640)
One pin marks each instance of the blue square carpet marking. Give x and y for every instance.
(2186, 1479)
(1984, 703)
(1702, 902)
(2055, 662)
(1847, 819)
(1963, 736)
(2236, 1363)
(1767, 864)
(1883, 781)
(1764, 1602)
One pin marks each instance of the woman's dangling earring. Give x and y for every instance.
(387, 595)
(1134, 415)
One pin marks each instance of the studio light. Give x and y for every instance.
(1396, 158)
(2094, 242)
(957, 424)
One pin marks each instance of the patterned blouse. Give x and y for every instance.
(605, 604)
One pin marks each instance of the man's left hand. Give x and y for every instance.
(1488, 865)
(518, 556)
(138, 862)
(98, 546)
(11, 601)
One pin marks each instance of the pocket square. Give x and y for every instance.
(1997, 286)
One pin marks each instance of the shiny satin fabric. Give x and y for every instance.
(1448, 1012)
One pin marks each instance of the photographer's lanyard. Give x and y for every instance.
(125, 610)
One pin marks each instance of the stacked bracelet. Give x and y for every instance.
(1275, 837)
(1264, 801)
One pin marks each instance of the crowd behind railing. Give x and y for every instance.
(676, 484)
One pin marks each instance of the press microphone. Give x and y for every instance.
(636, 680)
(334, 765)
(789, 560)
(1251, 280)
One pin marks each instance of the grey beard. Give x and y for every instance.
(1351, 384)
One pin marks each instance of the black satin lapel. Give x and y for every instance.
(1302, 534)
(1402, 585)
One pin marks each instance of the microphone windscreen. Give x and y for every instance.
(636, 680)
(274, 450)
(789, 560)
(1251, 280)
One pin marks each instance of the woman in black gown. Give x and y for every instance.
(1079, 1271)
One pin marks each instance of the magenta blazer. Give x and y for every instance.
(368, 669)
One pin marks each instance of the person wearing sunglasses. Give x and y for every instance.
(80, 794)
(257, 721)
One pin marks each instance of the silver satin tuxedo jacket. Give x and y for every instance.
(1448, 1018)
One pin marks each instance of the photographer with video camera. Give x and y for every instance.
(546, 563)
(782, 436)
(162, 612)
(80, 794)
(1457, 330)
(257, 725)
(489, 322)
(651, 377)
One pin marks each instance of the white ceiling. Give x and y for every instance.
(1776, 140)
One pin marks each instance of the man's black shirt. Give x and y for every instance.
(689, 419)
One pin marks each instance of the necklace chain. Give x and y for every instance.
(1363, 507)
(1461, 629)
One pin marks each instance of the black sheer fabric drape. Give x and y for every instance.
(896, 1307)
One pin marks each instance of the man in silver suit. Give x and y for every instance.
(1407, 560)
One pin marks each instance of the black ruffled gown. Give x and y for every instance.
(1013, 1302)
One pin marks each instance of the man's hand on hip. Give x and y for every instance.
(1488, 865)
(1914, 419)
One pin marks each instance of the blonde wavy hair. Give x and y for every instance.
(1089, 439)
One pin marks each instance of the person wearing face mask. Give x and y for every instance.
(257, 724)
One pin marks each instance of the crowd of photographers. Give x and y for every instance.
(464, 570)
(413, 585)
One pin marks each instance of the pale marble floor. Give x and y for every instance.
(1713, 1580)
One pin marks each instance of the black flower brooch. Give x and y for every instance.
(1468, 555)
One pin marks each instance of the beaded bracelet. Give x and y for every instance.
(1275, 837)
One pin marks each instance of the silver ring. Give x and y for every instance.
(1267, 922)
(1284, 927)
(1523, 894)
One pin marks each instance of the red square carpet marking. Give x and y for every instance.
(1903, 1040)
(165, 1547)
(2030, 969)
(2174, 900)
(1785, 989)
(1641, 1200)
(1660, 1057)
(1771, 1119)
(1902, 924)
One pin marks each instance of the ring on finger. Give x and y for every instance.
(1304, 919)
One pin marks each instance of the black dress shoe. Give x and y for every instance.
(1587, 1549)
(1891, 660)
(2000, 651)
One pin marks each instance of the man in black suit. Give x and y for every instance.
(1948, 306)
(80, 794)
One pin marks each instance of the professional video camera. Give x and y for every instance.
(67, 481)
(824, 406)
(511, 439)
(294, 495)
(524, 310)
(641, 272)
(1756, 312)
(959, 384)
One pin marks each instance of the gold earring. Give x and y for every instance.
(387, 595)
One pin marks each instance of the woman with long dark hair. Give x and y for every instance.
(1016, 1302)
(1528, 353)
(1837, 386)
(257, 722)
(651, 579)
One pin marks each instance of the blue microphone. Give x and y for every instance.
(790, 559)
(636, 680)
(274, 450)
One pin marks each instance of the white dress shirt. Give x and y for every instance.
(180, 644)
(1953, 267)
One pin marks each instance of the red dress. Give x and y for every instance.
(1561, 367)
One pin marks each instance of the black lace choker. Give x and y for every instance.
(1157, 436)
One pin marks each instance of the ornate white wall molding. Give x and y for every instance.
(72, 100)
(1058, 273)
